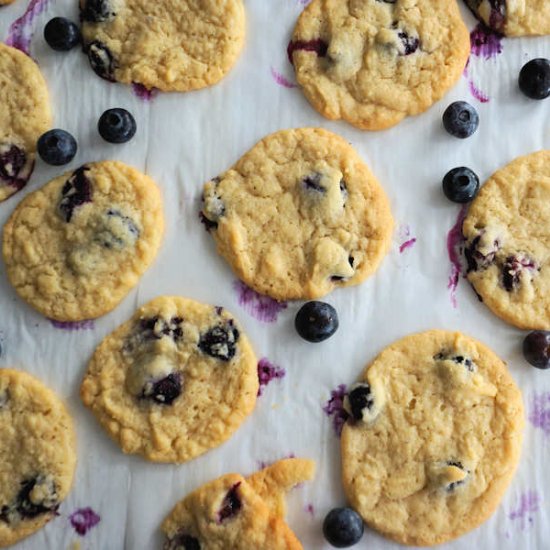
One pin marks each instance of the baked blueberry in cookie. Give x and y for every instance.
(38, 495)
(182, 541)
(514, 268)
(480, 253)
(15, 169)
(182, 378)
(231, 504)
(466, 362)
(101, 60)
(359, 402)
(96, 11)
(76, 192)
(316, 46)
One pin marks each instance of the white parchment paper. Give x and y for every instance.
(185, 139)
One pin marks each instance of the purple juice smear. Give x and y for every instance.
(73, 325)
(145, 94)
(83, 520)
(485, 42)
(334, 408)
(262, 308)
(539, 415)
(21, 30)
(455, 247)
(529, 504)
(310, 509)
(268, 372)
(407, 244)
(281, 79)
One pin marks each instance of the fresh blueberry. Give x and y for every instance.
(220, 342)
(536, 349)
(116, 126)
(57, 147)
(61, 34)
(96, 11)
(182, 541)
(316, 321)
(165, 391)
(460, 185)
(343, 527)
(231, 504)
(317, 46)
(360, 398)
(101, 60)
(76, 192)
(460, 119)
(534, 79)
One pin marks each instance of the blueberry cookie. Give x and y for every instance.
(374, 62)
(74, 248)
(237, 512)
(37, 455)
(171, 45)
(433, 438)
(5, 2)
(24, 117)
(174, 381)
(507, 242)
(298, 215)
(513, 17)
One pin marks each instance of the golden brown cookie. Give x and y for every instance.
(433, 437)
(75, 248)
(299, 215)
(237, 512)
(37, 455)
(174, 381)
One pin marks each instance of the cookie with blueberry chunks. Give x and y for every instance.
(25, 115)
(37, 455)
(298, 215)
(174, 381)
(170, 45)
(75, 248)
(238, 512)
(379, 61)
(513, 18)
(507, 242)
(438, 439)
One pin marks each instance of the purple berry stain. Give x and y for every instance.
(539, 415)
(267, 372)
(145, 94)
(405, 237)
(281, 80)
(309, 508)
(21, 30)
(455, 247)
(334, 408)
(485, 42)
(71, 326)
(83, 520)
(529, 503)
(262, 308)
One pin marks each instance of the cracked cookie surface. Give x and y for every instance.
(238, 512)
(442, 442)
(37, 455)
(25, 115)
(170, 45)
(174, 381)
(507, 244)
(298, 215)
(74, 248)
(514, 17)
(372, 63)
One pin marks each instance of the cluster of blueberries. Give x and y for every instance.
(58, 147)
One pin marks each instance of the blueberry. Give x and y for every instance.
(313, 183)
(317, 46)
(454, 484)
(96, 11)
(57, 147)
(467, 363)
(220, 342)
(360, 398)
(536, 349)
(117, 235)
(165, 391)
(316, 321)
(25, 507)
(534, 79)
(512, 269)
(410, 43)
(460, 185)
(76, 192)
(116, 126)
(61, 34)
(101, 60)
(475, 259)
(460, 119)
(231, 504)
(182, 541)
(14, 169)
(343, 527)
